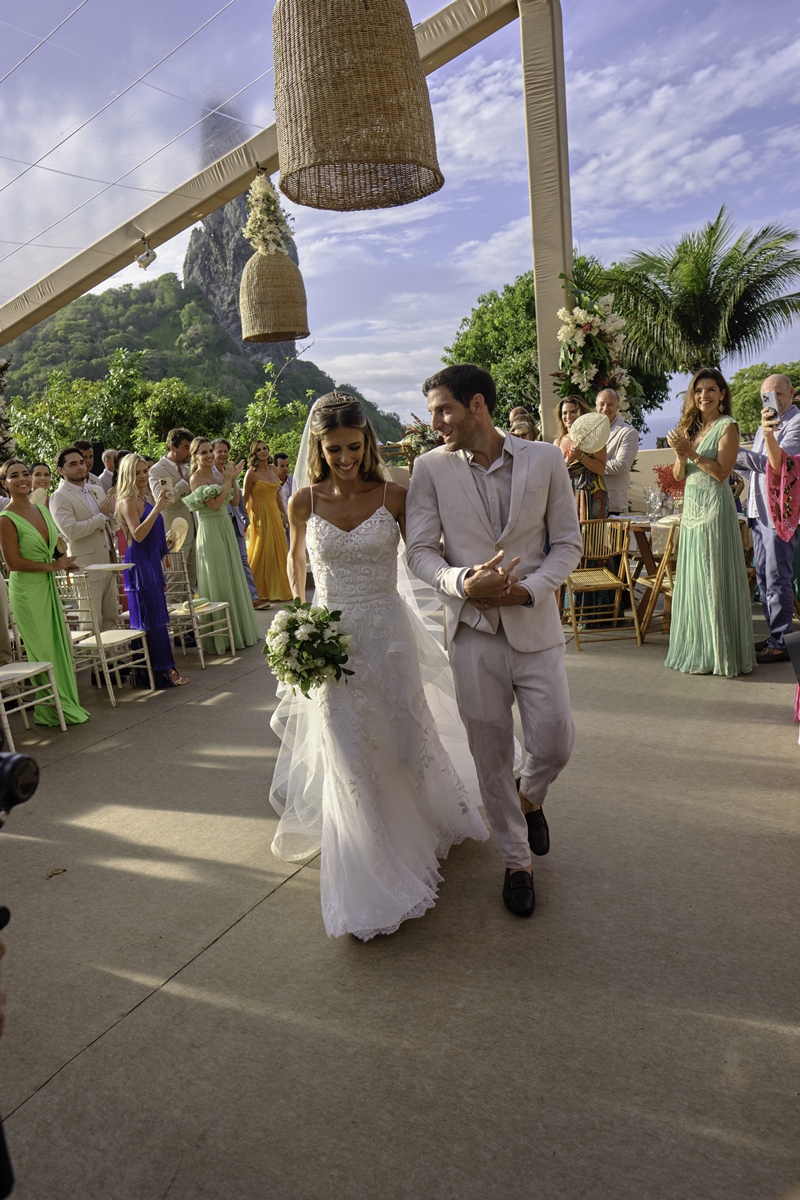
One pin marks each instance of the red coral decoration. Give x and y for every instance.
(668, 485)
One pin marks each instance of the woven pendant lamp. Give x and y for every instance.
(353, 114)
(272, 295)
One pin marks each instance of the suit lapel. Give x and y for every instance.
(519, 479)
(464, 474)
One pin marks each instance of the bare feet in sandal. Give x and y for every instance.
(175, 679)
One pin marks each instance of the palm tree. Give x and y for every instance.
(710, 295)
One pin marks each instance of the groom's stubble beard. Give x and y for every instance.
(465, 434)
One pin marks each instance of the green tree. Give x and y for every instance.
(266, 419)
(713, 293)
(746, 391)
(500, 336)
(172, 404)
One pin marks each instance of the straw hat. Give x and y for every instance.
(590, 432)
(38, 495)
(177, 533)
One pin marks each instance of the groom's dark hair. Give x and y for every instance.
(463, 381)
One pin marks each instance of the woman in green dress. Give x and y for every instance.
(28, 537)
(711, 631)
(220, 574)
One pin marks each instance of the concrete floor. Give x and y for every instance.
(180, 1026)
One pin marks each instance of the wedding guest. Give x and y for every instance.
(172, 472)
(222, 450)
(267, 548)
(220, 574)
(523, 425)
(711, 617)
(621, 450)
(772, 556)
(41, 477)
(28, 537)
(106, 477)
(145, 585)
(83, 513)
(783, 492)
(87, 450)
(586, 471)
(287, 484)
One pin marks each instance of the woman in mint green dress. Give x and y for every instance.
(28, 537)
(220, 574)
(711, 632)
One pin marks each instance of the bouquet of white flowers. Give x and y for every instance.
(593, 351)
(306, 646)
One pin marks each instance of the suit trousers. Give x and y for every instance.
(489, 675)
(772, 558)
(103, 586)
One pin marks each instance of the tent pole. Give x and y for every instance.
(548, 174)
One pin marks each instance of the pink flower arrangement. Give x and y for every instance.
(668, 485)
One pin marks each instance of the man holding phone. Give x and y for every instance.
(772, 556)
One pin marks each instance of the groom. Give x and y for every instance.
(492, 526)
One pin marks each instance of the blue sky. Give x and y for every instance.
(673, 110)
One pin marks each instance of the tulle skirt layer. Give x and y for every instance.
(364, 772)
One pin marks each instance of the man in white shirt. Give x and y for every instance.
(82, 512)
(621, 449)
(87, 450)
(107, 475)
(281, 463)
(172, 471)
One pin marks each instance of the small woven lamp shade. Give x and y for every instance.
(272, 300)
(355, 128)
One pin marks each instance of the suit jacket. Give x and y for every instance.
(85, 530)
(165, 468)
(621, 449)
(448, 529)
(754, 462)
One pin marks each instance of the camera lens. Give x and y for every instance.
(19, 779)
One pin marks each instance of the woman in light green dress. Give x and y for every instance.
(220, 574)
(28, 537)
(711, 631)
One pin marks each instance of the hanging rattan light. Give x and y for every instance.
(272, 295)
(353, 114)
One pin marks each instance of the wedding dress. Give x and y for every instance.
(363, 771)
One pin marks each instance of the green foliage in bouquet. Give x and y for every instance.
(305, 646)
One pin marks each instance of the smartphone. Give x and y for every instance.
(770, 400)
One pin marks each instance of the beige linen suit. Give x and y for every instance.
(505, 653)
(178, 481)
(86, 533)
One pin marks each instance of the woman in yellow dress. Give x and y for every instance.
(266, 550)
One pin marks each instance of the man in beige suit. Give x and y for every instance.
(492, 526)
(172, 471)
(83, 512)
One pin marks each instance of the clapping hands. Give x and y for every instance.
(680, 444)
(233, 470)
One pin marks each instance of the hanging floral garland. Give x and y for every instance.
(268, 227)
(592, 348)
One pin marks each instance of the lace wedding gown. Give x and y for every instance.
(362, 770)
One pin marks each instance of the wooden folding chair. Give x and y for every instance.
(604, 544)
(661, 582)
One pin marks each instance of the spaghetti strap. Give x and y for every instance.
(311, 492)
(385, 486)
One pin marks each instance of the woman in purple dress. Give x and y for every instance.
(147, 545)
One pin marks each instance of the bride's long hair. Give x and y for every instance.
(339, 410)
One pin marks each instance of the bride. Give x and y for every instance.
(362, 770)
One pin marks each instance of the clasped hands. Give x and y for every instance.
(680, 444)
(491, 585)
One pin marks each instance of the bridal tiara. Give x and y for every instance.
(335, 400)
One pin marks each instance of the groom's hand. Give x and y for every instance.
(489, 581)
(516, 594)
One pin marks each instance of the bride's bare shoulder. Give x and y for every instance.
(300, 503)
(396, 498)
